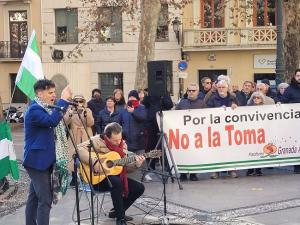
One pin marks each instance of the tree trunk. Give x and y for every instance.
(150, 10)
(291, 37)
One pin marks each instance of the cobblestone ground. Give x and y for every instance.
(16, 196)
(180, 214)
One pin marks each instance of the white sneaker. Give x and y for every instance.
(147, 177)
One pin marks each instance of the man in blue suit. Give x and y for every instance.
(39, 150)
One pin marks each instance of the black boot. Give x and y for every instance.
(121, 222)
(72, 183)
(193, 177)
(112, 214)
(183, 177)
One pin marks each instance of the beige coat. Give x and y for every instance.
(77, 130)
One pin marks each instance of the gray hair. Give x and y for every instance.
(282, 85)
(222, 82)
(260, 85)
(194, 85)
(225, 78)
(204, 79)
(257, 94)
(112, 128)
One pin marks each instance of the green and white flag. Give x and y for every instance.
(31, 68)
(8, 161)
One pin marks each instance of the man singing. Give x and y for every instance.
(124, 190)
(39, 150)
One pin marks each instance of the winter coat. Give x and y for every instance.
(96, 106)
(292, 93)
(77, 130)
(202, 94)
(242, 98)
(120, 105)
(216, 100)
(152, 104)
(189, 104)
(133, 127)
(39, 149)
(106, 117)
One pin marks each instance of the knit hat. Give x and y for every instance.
(134, 93)
(266, 81)
(79, 97)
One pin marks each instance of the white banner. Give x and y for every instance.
(218, 139)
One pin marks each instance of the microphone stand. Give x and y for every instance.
(75, 157)
(164, 148)
(90, 146)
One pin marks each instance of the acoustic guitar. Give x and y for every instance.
(112, 163)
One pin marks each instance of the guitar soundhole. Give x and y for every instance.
(109, 164)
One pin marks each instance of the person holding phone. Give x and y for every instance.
(132, 120)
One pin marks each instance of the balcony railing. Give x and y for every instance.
(230, 37)
(12, 50)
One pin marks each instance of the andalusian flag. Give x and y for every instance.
(8, 161)
(31, 68)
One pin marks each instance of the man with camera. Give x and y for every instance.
(77, 127)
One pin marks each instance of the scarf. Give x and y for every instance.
(123, 175)
(135, 103)
(60, 174)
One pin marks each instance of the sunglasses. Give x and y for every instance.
(191, 90)
(207, 82)
(78, 101)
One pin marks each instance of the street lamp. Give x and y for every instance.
(176, 28)
(280, 67)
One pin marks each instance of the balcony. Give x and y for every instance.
(12, 51)
(229, 39)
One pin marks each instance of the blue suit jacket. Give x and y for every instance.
(39, 150)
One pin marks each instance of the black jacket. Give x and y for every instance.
(292, 93)
(96, 106)
(105, 117)
(242, 98)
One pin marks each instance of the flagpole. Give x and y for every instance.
(7, 113)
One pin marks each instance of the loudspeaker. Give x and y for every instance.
(160, 78)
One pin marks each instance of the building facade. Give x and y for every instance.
(18, 19)
(238, 40)
(109, 60)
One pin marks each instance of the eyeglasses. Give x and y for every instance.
(191, 90)
(256, 97)
(209, 82)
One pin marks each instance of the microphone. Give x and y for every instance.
(55, 107)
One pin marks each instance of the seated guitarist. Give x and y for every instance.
(124, 190)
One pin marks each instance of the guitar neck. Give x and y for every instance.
(127, 160)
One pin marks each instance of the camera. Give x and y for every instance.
(129, 103)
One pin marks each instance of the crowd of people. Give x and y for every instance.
(116, 125)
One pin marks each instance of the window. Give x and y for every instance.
(108, 82)
(18, 33)
(110, 24)
(162, 32)
(264, 13)
(212, 12)
(66, 23)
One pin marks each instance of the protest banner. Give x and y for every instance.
(222, 139)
